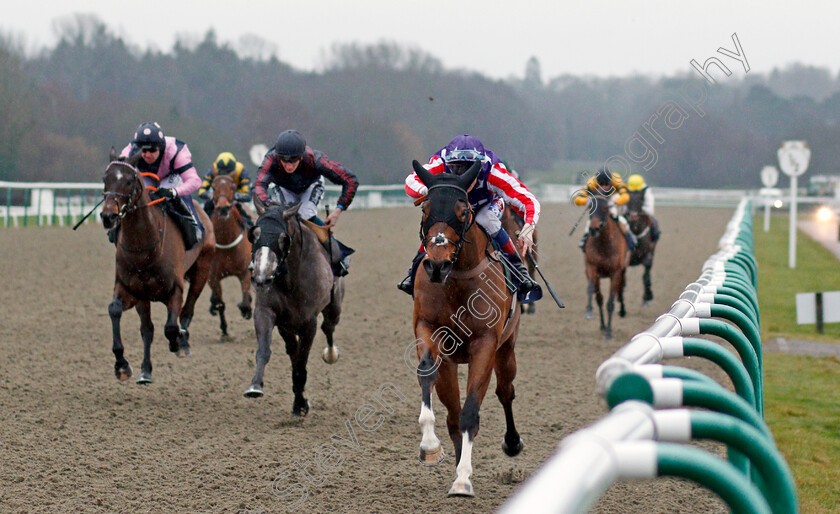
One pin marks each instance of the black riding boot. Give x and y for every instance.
(524, 281)
(187, 223)
(339, 256)
(654, 230)
(631, 239)
(407, 284)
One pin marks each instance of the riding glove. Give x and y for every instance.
(164, 192)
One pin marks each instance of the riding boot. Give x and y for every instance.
(407, 284)
(654, 230)
(631, 239)
(582, 244)
(339, 256)
(208, 208)
(523, 281)
(187, 222)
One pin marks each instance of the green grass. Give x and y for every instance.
(801, 394)
(816, 270)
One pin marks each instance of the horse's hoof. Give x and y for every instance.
(645, 303)
(432, 457)
(622, 313)
(513, 451)
(183, 351)
(123, 374)
(532, 309)
(174, 347)
(254, 392)
(300, 409)
(213, 310)
(588, 315)
(462, 489)
(145, 378)
(608, 335)
(330, 354)
(245, 311)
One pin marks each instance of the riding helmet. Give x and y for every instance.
(149, 133)
(461, 152)
(225, 162)
(290, 144)
(635, 183)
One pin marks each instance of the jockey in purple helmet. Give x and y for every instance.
(493, 187)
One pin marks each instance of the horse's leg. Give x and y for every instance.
(300, 407)
(245, 283)
(648, 296)
(217, 304)
(590, 290)
(482, 361)
(431, 452)
(621, 310)
(610, 307)
(449, 395)
(505, 368)
(264, 319)
(122, 369)
(599, 298)
(147, 332)
(332, 315)
(197, 275)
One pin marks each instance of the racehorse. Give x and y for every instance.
(151, 264)
(464, 313)
(513, 223)
(641, 224)
(294, 282)
(233, 250)
(605, 256)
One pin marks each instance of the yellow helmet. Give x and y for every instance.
(635, 183)
(225, 162)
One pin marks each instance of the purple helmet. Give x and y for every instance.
(461, 152)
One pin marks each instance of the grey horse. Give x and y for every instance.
(294, 282)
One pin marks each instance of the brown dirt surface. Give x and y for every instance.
(73, 438)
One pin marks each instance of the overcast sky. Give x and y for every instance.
(496, 38)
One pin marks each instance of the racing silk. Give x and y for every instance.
(239, 175)
(616, 191)
(647, 203)
(313, 166)
(176, 159)
(493, 182)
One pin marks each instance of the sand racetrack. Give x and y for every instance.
(73, 438)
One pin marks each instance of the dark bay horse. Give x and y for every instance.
(464, 313)
(641, 225)
(151, 264)
(233, 250)
(513, 223)
(294, 283)
(605, 257)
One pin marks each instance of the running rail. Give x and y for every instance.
(637, 440)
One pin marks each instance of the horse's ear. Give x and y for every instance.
(259, 205)
(466, 180)
(290, 213)
(113, 155)
(254, 234)
(134, 159)
(427, 178)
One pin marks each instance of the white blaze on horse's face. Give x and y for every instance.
(263, 266)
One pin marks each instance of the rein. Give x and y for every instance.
(131, 205)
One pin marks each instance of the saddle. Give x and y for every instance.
(338, 251)
(188, 224)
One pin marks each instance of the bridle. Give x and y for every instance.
(130, 205)
(440, 239)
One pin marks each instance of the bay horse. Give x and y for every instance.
(513, 223)
(641, 225)
(151, 264)
(464, 313)
(605, 257)
(233, 250)
(294, 283)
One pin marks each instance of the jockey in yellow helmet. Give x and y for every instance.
(605, 183)
(226, 163)
(636, 185)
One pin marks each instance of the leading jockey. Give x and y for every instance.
(637, 183)
(610, 185)
(226, 164)
(487, 196)
(298, 172)
(171, 161)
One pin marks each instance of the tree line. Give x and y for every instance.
(376, 107)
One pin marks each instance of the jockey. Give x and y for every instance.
(493, 187)
(171, 161)
(297, 172)
(226, 164)
(637, 183)
(605, 183)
